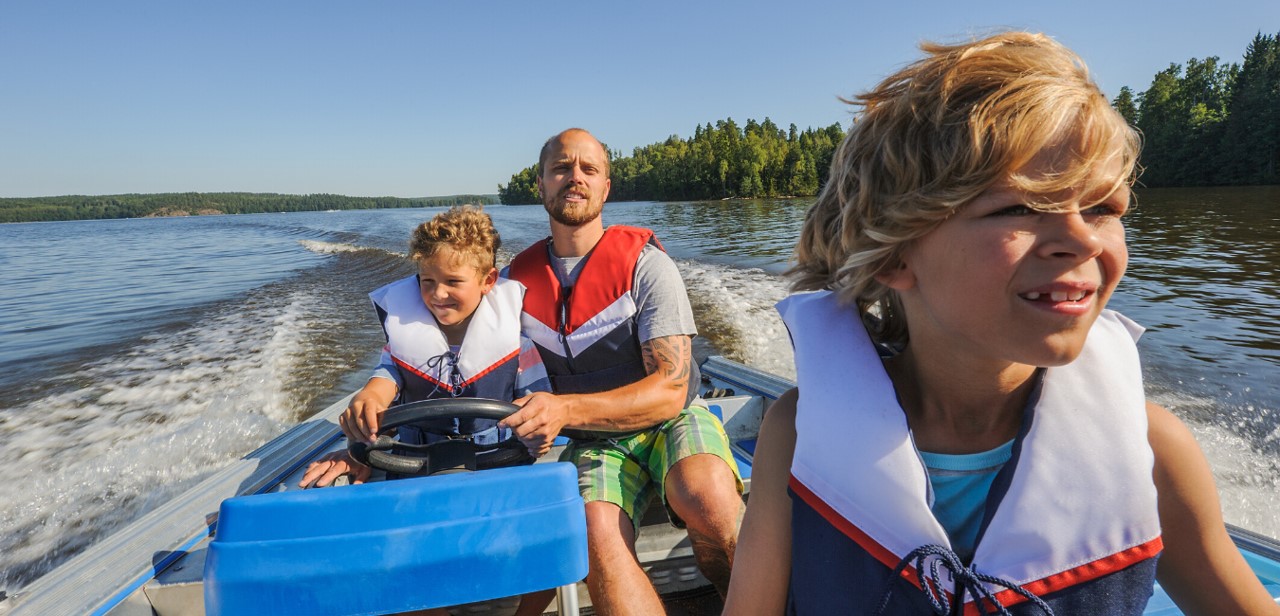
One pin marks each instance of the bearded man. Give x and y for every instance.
(612, 321)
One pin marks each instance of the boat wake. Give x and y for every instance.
(1245, 466)
(103, 445)
(333, 248)
(734, 311)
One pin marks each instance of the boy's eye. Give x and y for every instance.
(1013, 210)
(1106, 209)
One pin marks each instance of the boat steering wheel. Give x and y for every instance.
(451, 455)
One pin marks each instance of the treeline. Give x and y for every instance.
(78, 207)
(756, 160)
(1209, 123)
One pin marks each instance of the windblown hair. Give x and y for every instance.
(935, 135)
(466, 229)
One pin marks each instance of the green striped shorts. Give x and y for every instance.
(629, 471)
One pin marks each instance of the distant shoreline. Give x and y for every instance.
(172, 213)
(165, 205)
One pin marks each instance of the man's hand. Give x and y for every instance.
(361, 419)
(322, 472)
(538, 422)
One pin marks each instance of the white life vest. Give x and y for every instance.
(416, 343)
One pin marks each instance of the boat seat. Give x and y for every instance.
(398, 545)
(743, 449)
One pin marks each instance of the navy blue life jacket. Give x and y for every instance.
(1071, 519)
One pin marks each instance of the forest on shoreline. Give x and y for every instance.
(756, 160)
(1205, 123)
(1209, 123)
(80, 207)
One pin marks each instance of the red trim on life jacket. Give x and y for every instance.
(608, 274)
(420, 374)
(1053, 583)
(871, 546)
(446, 386)
(492, 367)
(1078, 575)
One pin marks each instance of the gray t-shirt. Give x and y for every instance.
(662, 303)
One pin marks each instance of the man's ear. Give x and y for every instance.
(537, 183)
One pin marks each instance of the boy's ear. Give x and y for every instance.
(488, 280)
(898, 278)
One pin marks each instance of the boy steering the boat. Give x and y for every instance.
(453, 331)
(970, 433)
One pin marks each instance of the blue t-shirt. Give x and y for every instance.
(960, 487)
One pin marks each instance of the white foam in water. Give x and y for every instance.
(1248, 480)
(131, 431)
(329, 248)
(734, 310)
(1248, 483)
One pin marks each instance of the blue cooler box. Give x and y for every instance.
(398, 545)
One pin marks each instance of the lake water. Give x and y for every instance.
(138, 356)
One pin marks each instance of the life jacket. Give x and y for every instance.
(485, 366)
(1071, 518)
(587, 334)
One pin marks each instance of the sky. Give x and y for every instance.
(432, 98)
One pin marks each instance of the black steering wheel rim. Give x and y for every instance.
(380, 454)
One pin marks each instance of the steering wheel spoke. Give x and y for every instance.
(450, 455)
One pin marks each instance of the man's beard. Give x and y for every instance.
(572, 215)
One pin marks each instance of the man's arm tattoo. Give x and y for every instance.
(670, 356)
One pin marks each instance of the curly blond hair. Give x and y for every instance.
(932, 137)
(466, 229)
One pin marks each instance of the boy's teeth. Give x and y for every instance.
(1057, 296)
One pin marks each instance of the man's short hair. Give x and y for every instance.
(546, 150)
